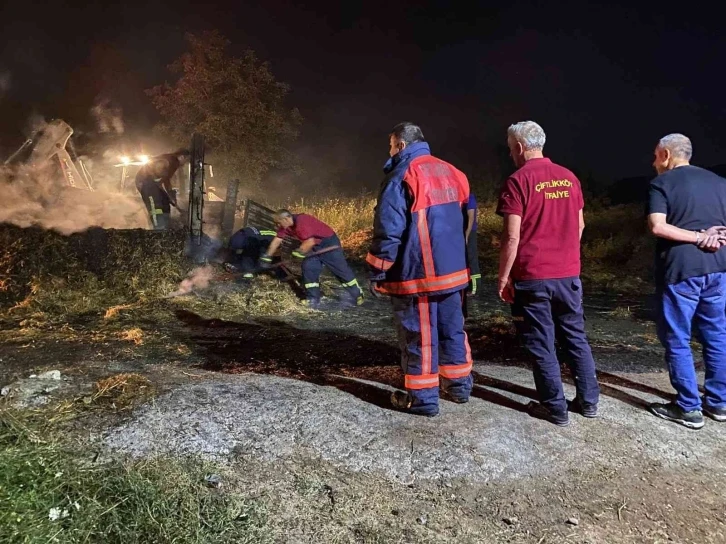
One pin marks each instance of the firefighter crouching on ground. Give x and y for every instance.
(153, 181)
(418, 257)
(246, 246)
(319, 247)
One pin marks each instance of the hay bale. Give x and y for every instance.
(86, 271)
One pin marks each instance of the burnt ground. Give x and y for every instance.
(298, 406)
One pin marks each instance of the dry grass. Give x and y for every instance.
(621, 313)
(86, 272)
(134, 335)
(103, 274)
(123, 390)
(345, 216)
(114, 311)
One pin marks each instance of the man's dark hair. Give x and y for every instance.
(408, 133)
(181, 152)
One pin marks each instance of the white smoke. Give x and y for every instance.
(34, 123)
(35, 197)
(37, 194)
(198, 278)
(108, 116)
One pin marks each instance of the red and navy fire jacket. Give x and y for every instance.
(418, 243)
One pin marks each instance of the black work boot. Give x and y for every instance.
(673, 412)
(401, 400)
(717, 414)
(449, 395)
(576, 407)
(539, 411)
(458, 392)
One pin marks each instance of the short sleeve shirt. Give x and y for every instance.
(692, 199)
(548, 198)
(306, 226)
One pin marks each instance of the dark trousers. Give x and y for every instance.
(433, 345)
(549, 309)
(247, 262)
(246, 253)
(472, 258)
(335, 261)
(157, 204)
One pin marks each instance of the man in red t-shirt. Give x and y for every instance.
(539, 271)
(319, 246)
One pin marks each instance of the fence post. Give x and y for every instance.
(196, 189)
(230, 209)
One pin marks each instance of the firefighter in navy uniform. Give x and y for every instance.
(246, 246)
(418, 258)
(319, 247)
(153, 181)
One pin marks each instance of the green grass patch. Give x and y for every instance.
(52, 492)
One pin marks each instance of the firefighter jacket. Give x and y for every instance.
(418, 245)
(251, 240)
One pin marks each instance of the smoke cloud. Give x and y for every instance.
(35, 193)
(198, 278)
(32, 197)
(108, 116)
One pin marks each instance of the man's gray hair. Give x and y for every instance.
(679, 145)
(529, 134)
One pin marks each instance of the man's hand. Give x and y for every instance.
(506, 290)
(711, 239)
(265, 262)
(372, 288)
(715, 230)
(711, 243)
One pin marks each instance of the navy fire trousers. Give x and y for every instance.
(433, 346)
(335, 261)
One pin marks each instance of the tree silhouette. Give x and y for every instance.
(234, 102)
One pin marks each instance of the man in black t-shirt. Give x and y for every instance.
(685, 203)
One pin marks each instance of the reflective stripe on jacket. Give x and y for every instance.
(418, 245)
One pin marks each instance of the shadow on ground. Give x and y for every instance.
(362, 367)
(321, 357)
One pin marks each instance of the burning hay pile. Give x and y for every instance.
(105, 273)
(221, 297)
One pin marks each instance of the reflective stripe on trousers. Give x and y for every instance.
(434, 346)
(154, 211)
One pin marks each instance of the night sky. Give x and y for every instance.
(604, 81)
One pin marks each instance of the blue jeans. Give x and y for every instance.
(700, 300)
(545, 310)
